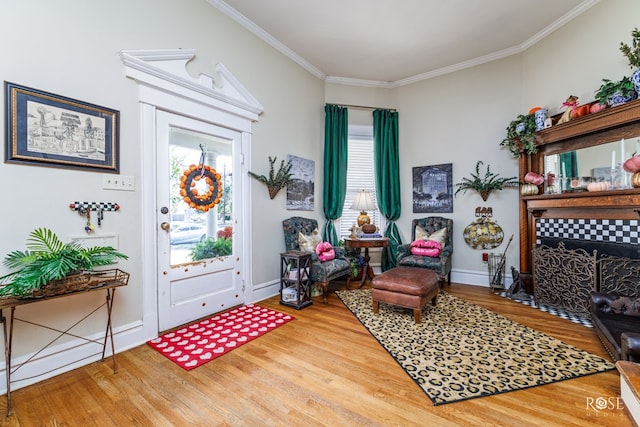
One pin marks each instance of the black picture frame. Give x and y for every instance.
(44, 129)
(433, 189)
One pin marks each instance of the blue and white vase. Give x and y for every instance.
(540, 117)
(618, 99)
(635, 78)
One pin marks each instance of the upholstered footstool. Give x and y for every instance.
(409, 287)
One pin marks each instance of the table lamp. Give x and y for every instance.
(364, 203)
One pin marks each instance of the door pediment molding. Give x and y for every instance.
(166, 70)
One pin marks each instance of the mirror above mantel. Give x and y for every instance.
(577, 168)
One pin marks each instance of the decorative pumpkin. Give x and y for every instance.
(598, 186)
(529, 189)
(635, 180)
(597, 107)
(632, 165)
(582, 110)
(534, 178)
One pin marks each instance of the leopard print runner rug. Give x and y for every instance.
(462, 351)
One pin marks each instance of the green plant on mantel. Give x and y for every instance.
(609, 88)
(632, 52)
(48, 259)
(521, 136)
(276, 180)
(487, 183)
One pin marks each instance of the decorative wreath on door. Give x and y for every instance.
(201, 200)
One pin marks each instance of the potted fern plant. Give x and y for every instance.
(48, 261)
(487, 183)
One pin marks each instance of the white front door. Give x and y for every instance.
(199, 225)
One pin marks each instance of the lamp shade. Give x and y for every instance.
(363, 201)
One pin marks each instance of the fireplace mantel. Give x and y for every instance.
(587, 131)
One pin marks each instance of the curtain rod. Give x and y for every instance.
(363, 107)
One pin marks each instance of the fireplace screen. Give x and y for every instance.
(619, 276)
(564, 279)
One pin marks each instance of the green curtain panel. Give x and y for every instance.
(569, 164)
(387, 172)
(336, 137)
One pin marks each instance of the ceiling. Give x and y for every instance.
(390, 43)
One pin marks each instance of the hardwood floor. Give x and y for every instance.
(322, 369)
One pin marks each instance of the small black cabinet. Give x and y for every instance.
(295, 284)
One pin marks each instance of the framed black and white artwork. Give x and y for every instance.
(433, 189)
(300, 190)
(44, 129)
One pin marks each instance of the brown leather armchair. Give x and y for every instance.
(616, 320)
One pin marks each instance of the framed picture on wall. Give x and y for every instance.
(433, 189)
(300, 190)
(44, 129)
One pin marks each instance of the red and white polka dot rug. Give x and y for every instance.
(203, 341)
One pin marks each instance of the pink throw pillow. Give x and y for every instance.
(429, 248)
(325, 251)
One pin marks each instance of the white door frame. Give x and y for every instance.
(164, 84)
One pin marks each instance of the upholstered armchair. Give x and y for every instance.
(321, 272)
(440, 264)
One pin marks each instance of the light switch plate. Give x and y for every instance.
(118, 182)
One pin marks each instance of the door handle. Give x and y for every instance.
(165, 226)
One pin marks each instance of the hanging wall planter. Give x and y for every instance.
(485, 185)
(276, 181)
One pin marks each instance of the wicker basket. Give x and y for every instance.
(81, 281)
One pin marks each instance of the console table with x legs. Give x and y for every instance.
(10, 304)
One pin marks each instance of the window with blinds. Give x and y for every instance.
(360, 176)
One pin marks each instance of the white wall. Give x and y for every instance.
(460, 118)
(71, 48)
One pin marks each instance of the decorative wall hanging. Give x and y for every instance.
(300, 188)
(200, 185)
(276, 181)
(50, 130)
(433, 189)
(483, 233)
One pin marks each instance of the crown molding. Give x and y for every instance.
(266, 37)
(269, 39)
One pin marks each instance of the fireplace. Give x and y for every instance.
(607, 216)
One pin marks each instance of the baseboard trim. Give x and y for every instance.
(70, 355)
